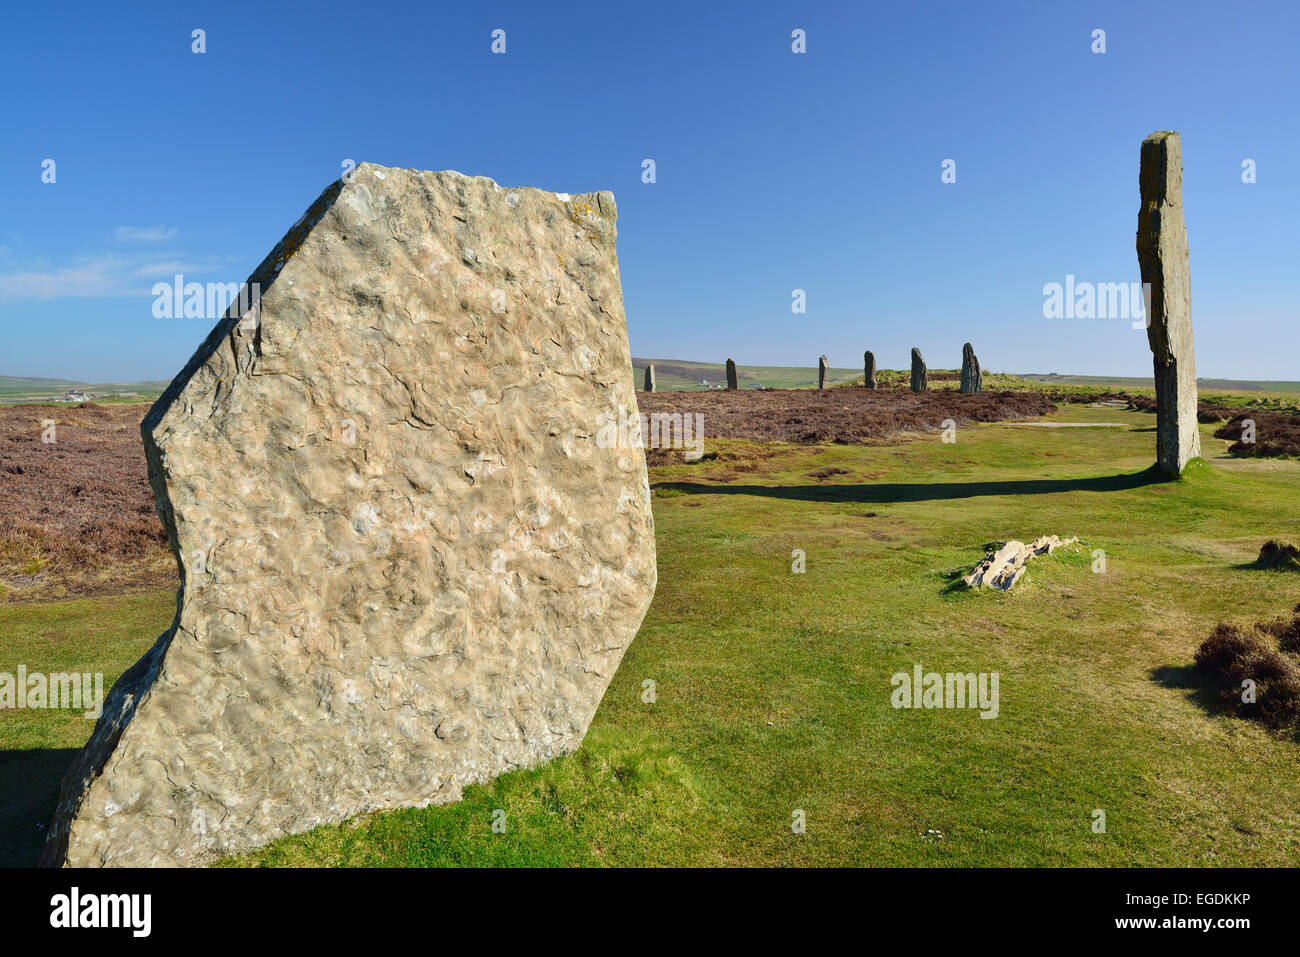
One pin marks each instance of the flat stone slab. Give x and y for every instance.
(1007, 565)
(408, 562)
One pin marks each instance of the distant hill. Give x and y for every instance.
(684, 375)
(1143, 382)
(15, 389)
(670, 375)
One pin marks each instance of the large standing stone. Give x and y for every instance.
(1162, 256)
(650, 377)
(409, 563)
(869, 370)
(919, 378)
(972, 380)
(731, 375)
(821, 373)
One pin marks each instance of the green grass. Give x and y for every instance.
(1130, 383)
(773, 690)
(15, 389)
(104, 635)
(1272, 396)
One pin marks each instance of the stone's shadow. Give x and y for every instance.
(953, 581)
(884, 493)
(29, 790)
(1200, 690)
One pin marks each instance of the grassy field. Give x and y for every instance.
(19, 389)
(1131, 383)
(86, 635)
(773, 688)
(1226, 393)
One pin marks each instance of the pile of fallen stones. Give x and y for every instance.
(1004, 567)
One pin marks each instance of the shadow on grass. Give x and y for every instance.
(884, 493)
(1188, 678)
(954, 583)
(29, 789)
(1275, 556)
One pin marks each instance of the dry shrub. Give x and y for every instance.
(847, 416)
(1226, 645)
(1286, 632)
(1276, 433)
(1275, 554)
(78, 507)
(1265, 654)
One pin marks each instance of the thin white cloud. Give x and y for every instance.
(164, 270)
(87, 278)
(148, 233)
(107, 276)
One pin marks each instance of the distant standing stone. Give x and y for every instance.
(972, 380)
(650, 377)
(731, 375)
(821, 373)
(869, 370)
(1162, 256)
(919, 379)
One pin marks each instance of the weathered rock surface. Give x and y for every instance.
(869, 370)
(650, 377)
(919, 378)
(408, 565)
(1162, 256)
(821, 373)
(731, 375)
(972, 380)
(1004, 567)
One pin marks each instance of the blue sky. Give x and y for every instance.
(775, 171)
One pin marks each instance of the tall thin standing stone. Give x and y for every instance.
(650, 377)
(821, 373)
(919, 379)
(972, 379)
(869, 369)
(1162, 256)
(731, 375)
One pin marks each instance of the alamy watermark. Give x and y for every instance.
(655, 430)
(923, 689)
(179, 299)
(60, 691)
(1101, 300)
(128, 911)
